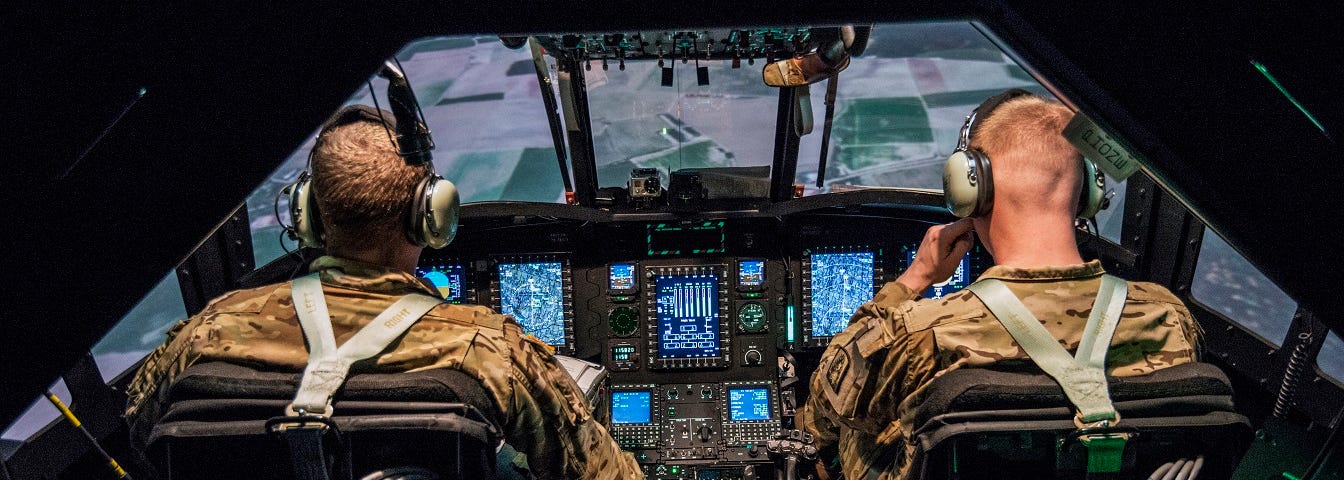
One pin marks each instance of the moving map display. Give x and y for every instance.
(687, 310)
(631, 407)
(534, 294)
(447, 279)
(748, 404)
(959, 279)
(841, 282)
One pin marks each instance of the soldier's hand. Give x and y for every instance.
(938, 255)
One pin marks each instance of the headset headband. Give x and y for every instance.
(984, 110)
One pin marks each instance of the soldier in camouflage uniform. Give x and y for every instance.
(875, 373)
(363, 187)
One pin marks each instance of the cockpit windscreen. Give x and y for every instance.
(687, 312)
(841, 282)
(534, 294)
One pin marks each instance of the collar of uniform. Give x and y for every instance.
(1061, 272)
(368, 277)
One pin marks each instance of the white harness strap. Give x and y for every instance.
(1083, 376)
(329, 365)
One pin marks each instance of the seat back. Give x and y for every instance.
(215, 425)
(981, 423)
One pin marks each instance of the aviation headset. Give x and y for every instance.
(431, 220)
(968, 184)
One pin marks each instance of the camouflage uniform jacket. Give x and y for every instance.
(545, 413)
(874, 374)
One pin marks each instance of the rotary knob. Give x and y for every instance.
(752, 357)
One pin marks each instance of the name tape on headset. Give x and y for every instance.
(1095, 144)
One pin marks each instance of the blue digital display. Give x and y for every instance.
(748, 404)
(622, 277)
(631, 407)
(688, 315)
(841, 282)
(961, 277)
(751, 273)
(534, 294)
(447, 280)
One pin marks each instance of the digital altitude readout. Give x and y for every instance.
(748, 404)
(447, 280)
(534, 294)
(841, 282)
(687, 311)
(631, 407)
(960, 278)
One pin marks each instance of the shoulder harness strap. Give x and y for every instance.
(1083, 376)
(329, 365)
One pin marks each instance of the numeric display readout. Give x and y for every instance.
(631, 407)
(748, 404)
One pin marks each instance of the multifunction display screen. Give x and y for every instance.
(629, 407)
(748, 404)
(534, 294)
(751, 273)
(687, 308)
(622, 277)
(447, 279)
(960, 278)
(841, 282)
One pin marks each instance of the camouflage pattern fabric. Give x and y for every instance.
(874, 374)
(545, 413)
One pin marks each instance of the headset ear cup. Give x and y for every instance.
(1093, 196)
(434, 214)
(968, 189)
(304, 219)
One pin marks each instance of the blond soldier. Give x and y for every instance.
(875, 373)
(363, 189)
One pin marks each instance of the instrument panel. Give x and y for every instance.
(697, 321)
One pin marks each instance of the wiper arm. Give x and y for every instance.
(552, 115)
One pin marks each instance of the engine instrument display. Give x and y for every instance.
(748, 404)
(687, 308)
(448, 280)
(534, 293)
(631, 407)
(840, 283)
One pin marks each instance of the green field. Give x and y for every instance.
(884, 120)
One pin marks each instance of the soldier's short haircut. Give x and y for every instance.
(1023, 140)
(363, 187)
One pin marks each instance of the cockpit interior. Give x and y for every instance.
(636, 197)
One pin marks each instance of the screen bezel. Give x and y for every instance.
(566, 286)
(805, 327)
(717, 329)
(634, 279)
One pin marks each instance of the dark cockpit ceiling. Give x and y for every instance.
(209, 98)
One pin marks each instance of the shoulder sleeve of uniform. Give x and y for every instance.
(1152, 292)
(469, 314)
(860, 371)
(251, 300)
(552, 422)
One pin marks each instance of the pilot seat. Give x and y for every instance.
(1005, 423)
(227, 421)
